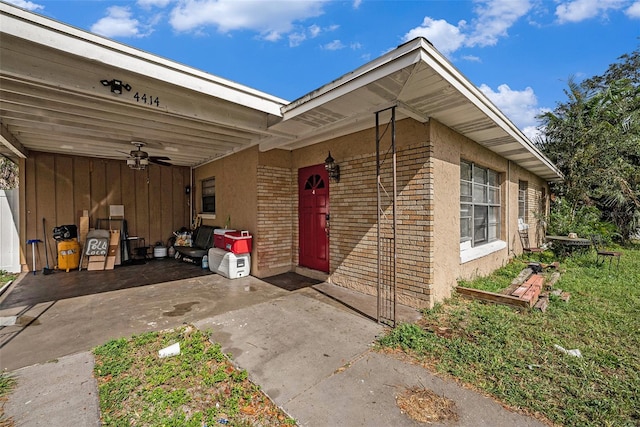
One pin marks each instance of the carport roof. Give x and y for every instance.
(52, 100)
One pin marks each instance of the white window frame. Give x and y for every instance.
(480, 205)
(523, 190)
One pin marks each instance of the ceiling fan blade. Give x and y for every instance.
(159, 161)
(160, 157)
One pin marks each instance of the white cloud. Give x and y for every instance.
(634, 10)
(148, 4)
(334, 45)
(495, 17)
(445, 37)
(520, 106)
(580, 10)
(313, 31)
(25, 4)
(357, 3)
(471, 58)
(271, 19)
(296, 39)
(532, 132)
(118, 23)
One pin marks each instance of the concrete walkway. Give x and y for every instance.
(309, 353)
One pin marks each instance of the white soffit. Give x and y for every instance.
(422, 84)
(62, 37)
(52, 99)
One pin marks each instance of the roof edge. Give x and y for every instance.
(410, 53)
(49, 32)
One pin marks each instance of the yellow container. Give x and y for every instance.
(68, 255)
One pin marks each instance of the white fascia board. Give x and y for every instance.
(396, 60)
(435, 60)
(62, 37)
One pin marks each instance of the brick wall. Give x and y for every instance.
(276, 213)
(354, 216)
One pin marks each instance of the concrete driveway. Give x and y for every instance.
(311, 354)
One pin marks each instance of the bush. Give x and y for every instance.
(581, 219)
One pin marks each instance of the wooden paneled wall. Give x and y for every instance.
(59, 187)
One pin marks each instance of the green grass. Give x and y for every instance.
(6, 277)
(510, 354)
(198, 387)
(7, 384)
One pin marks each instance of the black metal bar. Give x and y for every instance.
(379, 274)
(387, 245)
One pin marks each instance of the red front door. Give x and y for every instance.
(313, 209)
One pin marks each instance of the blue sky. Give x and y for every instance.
(520, 53)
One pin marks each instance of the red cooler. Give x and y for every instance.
(218, 237)
(238, 242)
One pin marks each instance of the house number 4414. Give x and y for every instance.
(147, 99)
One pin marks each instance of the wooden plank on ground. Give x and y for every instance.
(532, 294)
(96, 262)
(492, 297)
(522, 277)
(542, 304)
(553, 280)
(521, 290)
(114, 243)
(510, 290)
(535, 280)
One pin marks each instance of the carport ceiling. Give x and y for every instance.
(52, 98)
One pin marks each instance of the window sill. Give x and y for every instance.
(481, 251)
(207, 216)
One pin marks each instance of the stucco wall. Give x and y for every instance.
(236, 183)
(449, 149)
(235, 189)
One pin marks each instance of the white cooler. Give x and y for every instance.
(228, 264)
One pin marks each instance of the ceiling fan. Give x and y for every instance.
(139, 159)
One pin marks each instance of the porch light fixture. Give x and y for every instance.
(116, 85)
(333, 169)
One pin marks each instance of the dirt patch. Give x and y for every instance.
(425, 406)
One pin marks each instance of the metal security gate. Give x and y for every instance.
(387, 199)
